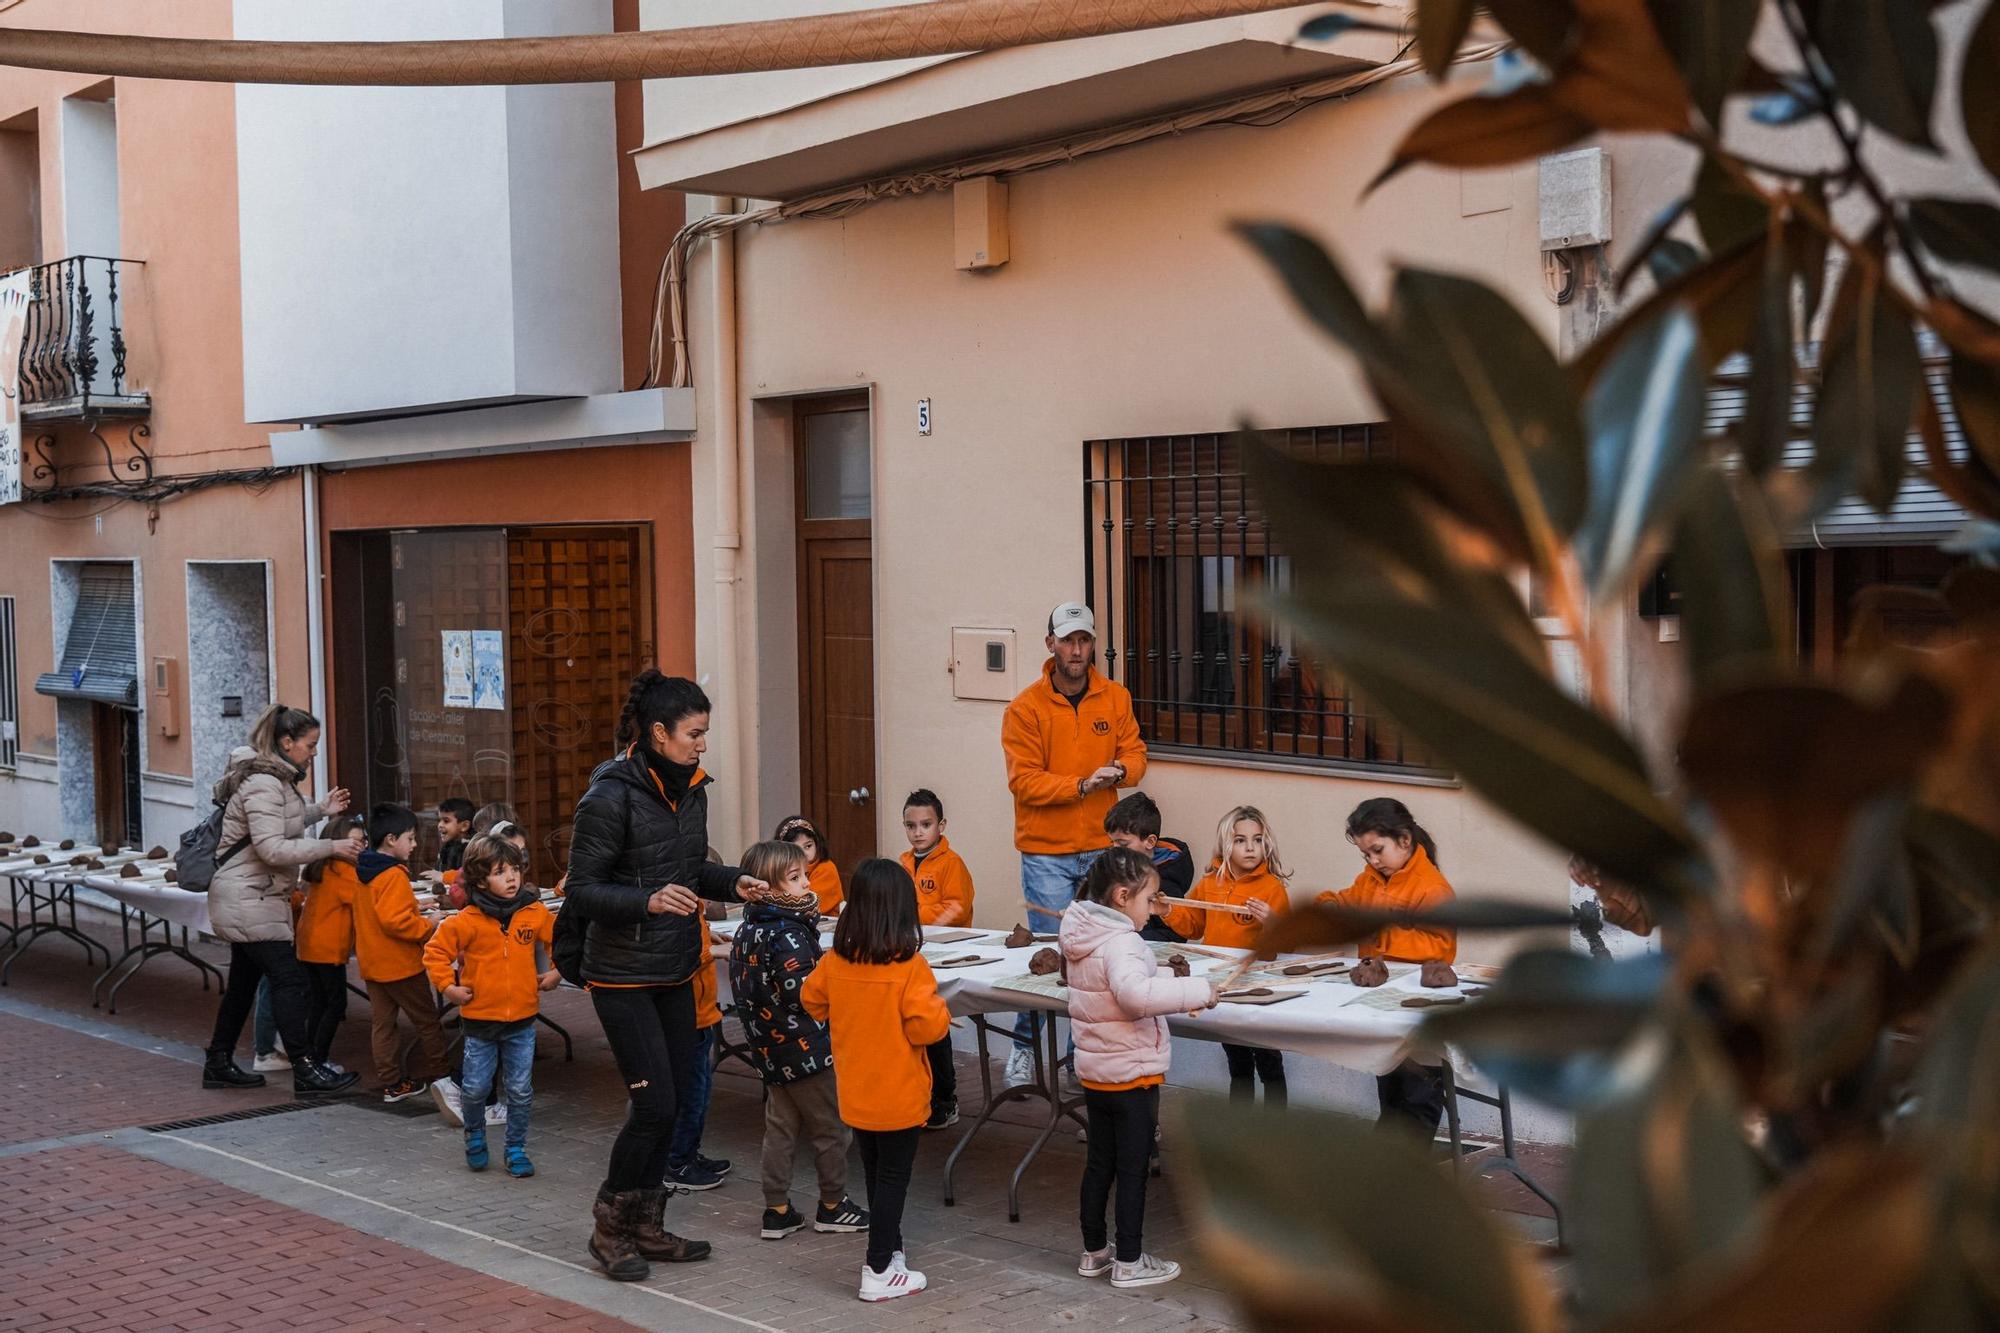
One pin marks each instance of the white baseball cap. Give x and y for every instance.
(1071, 617)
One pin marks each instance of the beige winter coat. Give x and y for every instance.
(250, 897)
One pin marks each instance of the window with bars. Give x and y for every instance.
(1174, 549)
(10, 693)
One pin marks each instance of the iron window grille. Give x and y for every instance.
(10, 696)
(1174, 553)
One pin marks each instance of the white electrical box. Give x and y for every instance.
(1575, 195)
(982, 664)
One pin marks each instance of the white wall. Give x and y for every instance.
(406, 249)
(90, 177)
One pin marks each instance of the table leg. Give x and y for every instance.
(569, 1050)
(1059, 1109)
(1506, 1162)
(36, 928)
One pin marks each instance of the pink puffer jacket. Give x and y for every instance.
(1116, 1002)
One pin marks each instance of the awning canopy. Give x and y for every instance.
(100, 661)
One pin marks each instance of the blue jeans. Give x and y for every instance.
(1049, 881)
(692, 1114)
(264, 1030)
(515, 1058)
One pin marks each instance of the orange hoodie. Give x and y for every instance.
(1230, 930)
(881, 1017)
(707, 1011)
(498, 965)
(1051, 746)
(824, 877)
(389, 931)
(1418, 885)
(325, 933)
(944, 886)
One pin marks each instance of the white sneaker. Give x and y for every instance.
(1145, 1271)
(274, 1063)
(445, 1093)
(1020, 1067)
(496, 1113)
(1095, 1263)
(893, 1281)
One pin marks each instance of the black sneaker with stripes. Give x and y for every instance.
(846, 1215)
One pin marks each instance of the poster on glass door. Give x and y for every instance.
(489, 674)
(458, 668)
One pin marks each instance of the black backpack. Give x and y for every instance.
(566, 945)
(196, 862)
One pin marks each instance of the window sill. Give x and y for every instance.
(1326, 768)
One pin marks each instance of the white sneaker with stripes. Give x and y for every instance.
(895, 1280)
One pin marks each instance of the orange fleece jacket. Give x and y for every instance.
(389, 931)
(707, 1011)
(1230, 930)
(824, 877)
(944, 886)
(1051, 746)
(498, 965)
(1418, 885)
(882, 1017)
(325, 933)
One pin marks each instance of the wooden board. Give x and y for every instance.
(1275, 997)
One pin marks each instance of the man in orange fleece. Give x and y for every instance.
(1071, 743)
(389, 935)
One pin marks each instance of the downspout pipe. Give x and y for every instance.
(727, 673)
(316, 625)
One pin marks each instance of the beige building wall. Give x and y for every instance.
(1127, 308)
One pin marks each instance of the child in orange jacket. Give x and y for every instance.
(324, 941)
(877, 996)
(944, 898)
(484, 960)
(823, 876)
(389, 935)
(1246, 872)
(1401, 875)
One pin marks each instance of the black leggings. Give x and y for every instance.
(944, 1074)
(886, 1159)
(651, 1032)
(1247, 1064)
(1412, 1098)
(1121, 1150)
(248, 965)
(326, 1005)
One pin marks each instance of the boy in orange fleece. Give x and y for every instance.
(389, 935)
(324, 941)
(1246, 872)
(483, 959)
(944, 898)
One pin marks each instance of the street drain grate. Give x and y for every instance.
(254, 1113)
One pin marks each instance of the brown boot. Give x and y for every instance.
(655, 1241)
(612, 1240)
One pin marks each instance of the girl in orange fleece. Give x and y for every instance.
(325, 941)
(880, 1003)
(821, 873)
(1401, 875)
(1246, 872)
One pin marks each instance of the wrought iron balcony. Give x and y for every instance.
(73, 348)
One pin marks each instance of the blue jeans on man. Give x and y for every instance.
(691, 1115)
(512, 1058)
(1049, 882)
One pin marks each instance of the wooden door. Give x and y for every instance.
(837, 623)
(115, 741)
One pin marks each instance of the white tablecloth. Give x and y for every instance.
(155, 897)
(1334, 1020)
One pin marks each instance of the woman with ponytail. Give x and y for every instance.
(263, 845)
(638, 872)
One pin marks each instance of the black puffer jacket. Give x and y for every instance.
(626, 843)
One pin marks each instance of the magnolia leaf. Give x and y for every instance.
(1884, 56)
(1651, 240)
(1979, 91)
(1330, 925)
(1671, 259)
(1767, 401)
(1975, 395)
(1441, 28)
(1544, 28)
(1871, 879)
(1958, 1099)
(1869, 383)
(1708, 40)
(1644, 417)
(1958, 231)
(1735, 600)
(1280, 1221)
(1559, 1026)
(1488, 131)
(1721, 290)
(1783, 108)
(1726, 213)
(1620, 76)
(1779, 766)
(1808, 245)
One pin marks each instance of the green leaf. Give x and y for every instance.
(1708, 40)
(1655, 235)
(1734, 595)
(1884, 57)
(1489, 131)
(1546, 29)
(1808, 245)
(1672, 259)
(1320, 288)
(1979, 91)
(1870, 880)
(1644, 417)
(1318, 1220)
(1441, 29)
(1767, 400)
(1663, 1184)
(1956, 854)
(1868, 390)
(1958, 231)
(1975, 396)
(1477, 365)
(1558, 1026)
(1727, 214)
(1721, 290)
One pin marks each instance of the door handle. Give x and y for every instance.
(859, 796)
